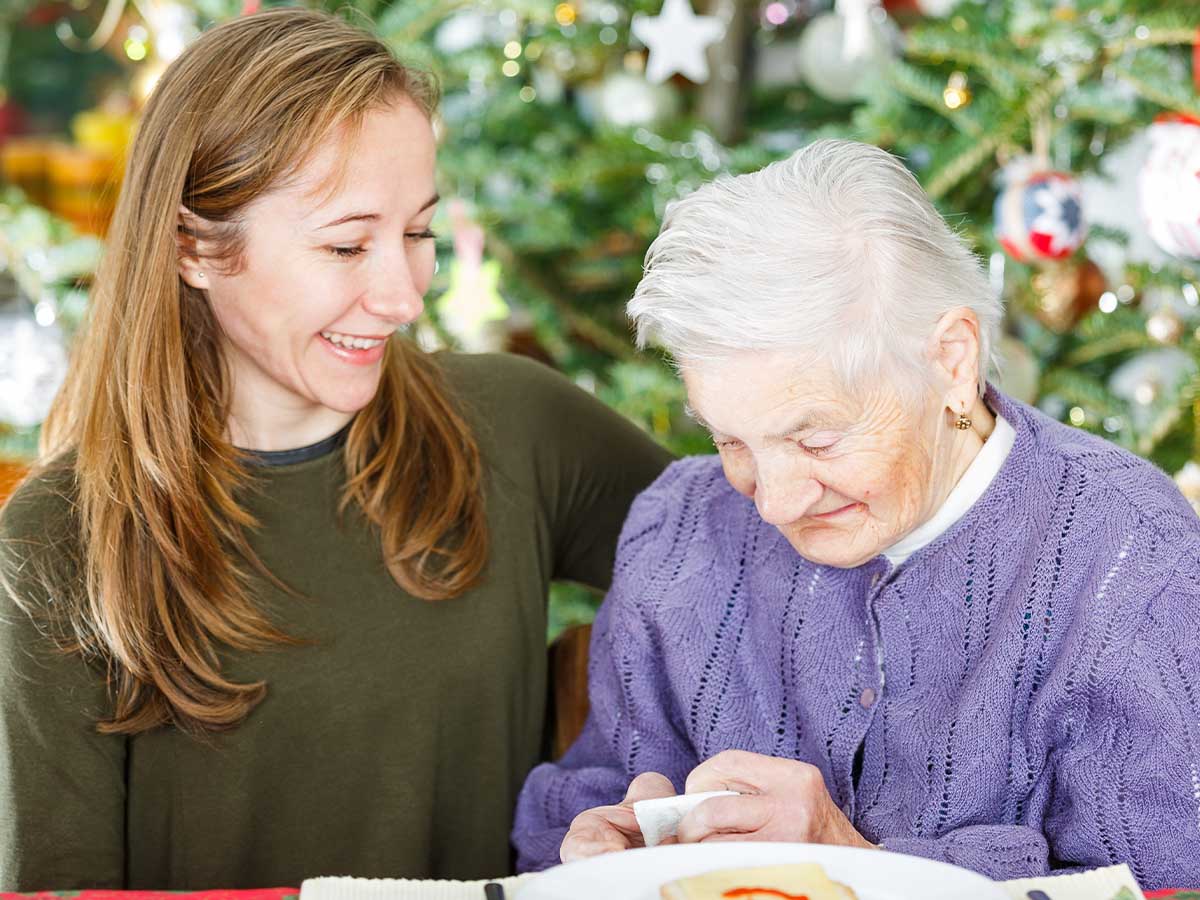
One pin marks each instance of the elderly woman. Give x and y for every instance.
(914, 613)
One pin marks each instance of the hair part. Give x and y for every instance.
(835, 253)
(142, 418)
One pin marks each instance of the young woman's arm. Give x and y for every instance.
(62, 783)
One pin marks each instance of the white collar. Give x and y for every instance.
(970, 487)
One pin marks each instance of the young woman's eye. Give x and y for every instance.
(346, 252)
(425, 235)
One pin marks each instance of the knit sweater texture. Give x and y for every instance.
(1025, 690)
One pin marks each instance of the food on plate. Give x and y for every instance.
(796, 881)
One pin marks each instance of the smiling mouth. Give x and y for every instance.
(352, 341)
(841, 510)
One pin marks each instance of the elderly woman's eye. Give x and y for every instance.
(728, 443)
(818, 444)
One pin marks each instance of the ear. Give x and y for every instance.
(955, 351)
(191, 268)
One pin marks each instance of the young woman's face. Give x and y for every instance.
(327, 276)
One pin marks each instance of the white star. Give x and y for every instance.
(677, 39)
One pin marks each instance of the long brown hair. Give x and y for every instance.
(142, 417)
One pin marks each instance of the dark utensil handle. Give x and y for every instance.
(493, 891)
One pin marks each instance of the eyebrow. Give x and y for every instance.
(374, 217)
(802, 424)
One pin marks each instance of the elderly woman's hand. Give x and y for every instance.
(608, 828)
(782, 800)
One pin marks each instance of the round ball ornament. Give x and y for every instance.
(33, 364)
(836, 69)
(1040, 217)
(1066, 292)
(1169, 186)
(624, 100)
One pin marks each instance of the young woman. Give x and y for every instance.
(273, 604)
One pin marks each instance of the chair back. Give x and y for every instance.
(568, 687)
(11, 473)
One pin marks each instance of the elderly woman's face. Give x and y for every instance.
(842, 478)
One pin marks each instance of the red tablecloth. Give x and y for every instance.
(286, 893)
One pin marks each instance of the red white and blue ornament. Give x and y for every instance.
(1169, 186)
(1040, 217)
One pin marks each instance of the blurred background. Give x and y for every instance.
(1062, 137)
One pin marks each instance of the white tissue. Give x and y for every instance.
(659, 818)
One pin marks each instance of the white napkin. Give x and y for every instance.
(659, 818)
(402, 888)
(1098, 884)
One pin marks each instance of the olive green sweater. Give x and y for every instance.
(392, 745)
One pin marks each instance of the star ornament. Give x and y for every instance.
(677, 39)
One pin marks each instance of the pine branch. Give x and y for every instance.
(602, 336)
(1102, 335)
(1005, 74)
(1085, 391)
(1095, 103)
(962, 166)
(1151, 74)
(928, 90)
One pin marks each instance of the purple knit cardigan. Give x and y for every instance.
(1025, 689)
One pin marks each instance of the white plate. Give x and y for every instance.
(873, 874)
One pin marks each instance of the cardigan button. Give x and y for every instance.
(867, 698)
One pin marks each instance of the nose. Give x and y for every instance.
(783, 494)
(393, 294)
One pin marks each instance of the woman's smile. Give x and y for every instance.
(358, 350)
(840, 511)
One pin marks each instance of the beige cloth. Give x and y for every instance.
(1098, 884)
(403, 889)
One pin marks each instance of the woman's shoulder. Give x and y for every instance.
(39, 529)
(689, 510)
(43, 505)
(1107, 482)
(504, 383)
(532, 422)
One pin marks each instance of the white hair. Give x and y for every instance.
(835, 252)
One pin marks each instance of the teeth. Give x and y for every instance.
(349, 341)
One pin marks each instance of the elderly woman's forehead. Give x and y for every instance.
(775, 370)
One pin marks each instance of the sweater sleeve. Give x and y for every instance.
(1125, 786)
(997, 851)
(1129, 790)
(62, 785)
(630, 728)
(595, 464)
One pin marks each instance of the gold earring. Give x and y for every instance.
(964, 422)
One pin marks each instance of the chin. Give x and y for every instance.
(830, 552)
(349, 402)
